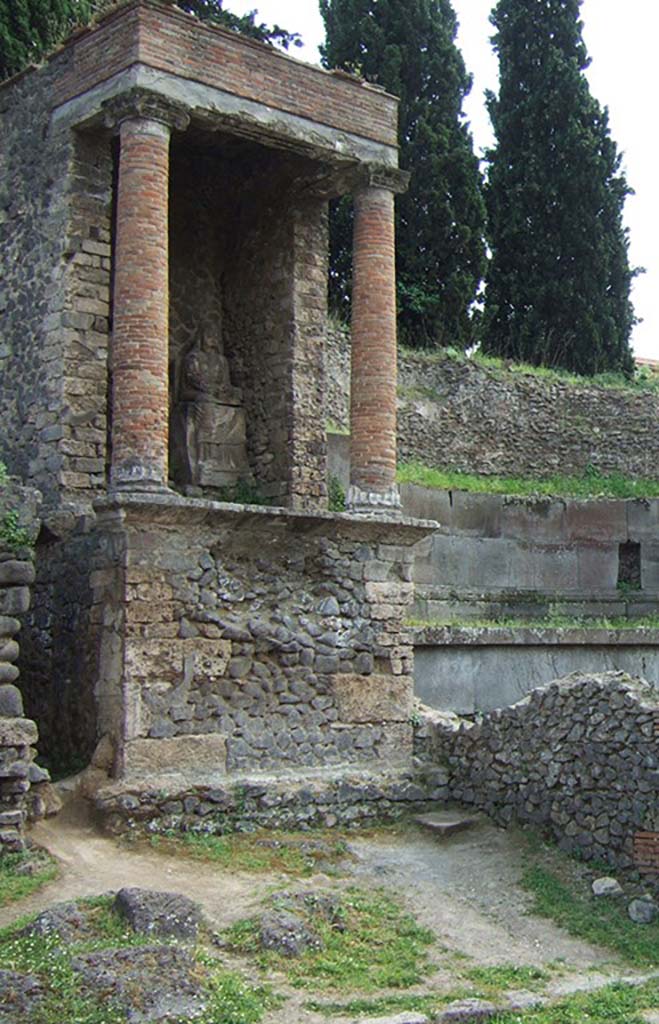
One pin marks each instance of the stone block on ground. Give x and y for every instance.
(70, 921)
(446, 823)
(20, 997)
(643, 911)
(467, 1010)
(148, 983)
(162, 914)
(411, 1017)
(607, 887)
(286, 933)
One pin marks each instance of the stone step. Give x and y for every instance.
(446, 823)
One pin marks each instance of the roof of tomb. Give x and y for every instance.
(226, 81)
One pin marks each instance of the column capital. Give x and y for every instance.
(383, 176)
(144, 105)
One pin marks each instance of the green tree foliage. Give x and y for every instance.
(30, 28)
(559, 280)
(408, 46)
(212, 10)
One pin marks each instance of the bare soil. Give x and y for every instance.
(466, 889)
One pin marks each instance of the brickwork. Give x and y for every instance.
(373, 385)
(85, 321)
(161, 37)
(140, 365)
(646, 853)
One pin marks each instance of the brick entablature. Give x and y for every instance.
(155, 34)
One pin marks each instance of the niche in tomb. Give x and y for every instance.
(208, 446)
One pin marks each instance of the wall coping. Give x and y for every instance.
(533, 636)
(171, 510)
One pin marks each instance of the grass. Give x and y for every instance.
(591, 484)
(643, 379)
(601, 921)
(379, 1006)
(14, 885)
(376, 945)
(500, 978)
(230, 1000)
(615, 1004)
(291, 853)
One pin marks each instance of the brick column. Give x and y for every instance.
(373, 487)
(140, 330)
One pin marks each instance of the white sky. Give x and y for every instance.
(624, 75)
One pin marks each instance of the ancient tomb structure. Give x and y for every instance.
(163, 208)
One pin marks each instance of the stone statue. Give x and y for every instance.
(208, 421)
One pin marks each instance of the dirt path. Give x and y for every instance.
(91, 864)
(466, 890)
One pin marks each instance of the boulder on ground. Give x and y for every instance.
(286, 933)
(161, 914)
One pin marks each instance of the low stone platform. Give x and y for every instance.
(341, 797)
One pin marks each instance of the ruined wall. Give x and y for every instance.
(579, 757)
(462, 416)
(33, 230)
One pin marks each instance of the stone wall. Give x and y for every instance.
(261, 639)
(462, 416)
(470, 669)
(579, 758)
(17, 734)
(496, 556)
(55, 222)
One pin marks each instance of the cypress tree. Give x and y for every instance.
(558, 285)
(29, 28)
(408, 47)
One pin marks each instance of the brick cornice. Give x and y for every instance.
(142, 104)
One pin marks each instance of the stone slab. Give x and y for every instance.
(479, 678)
(194, 756)
(372, 698)
(444, 823)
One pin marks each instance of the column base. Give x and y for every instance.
(374, 503)
(138, 477)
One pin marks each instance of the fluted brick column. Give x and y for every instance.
(373, 485)
(140, 334)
